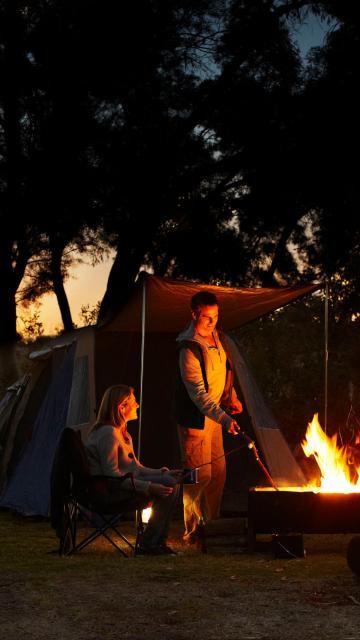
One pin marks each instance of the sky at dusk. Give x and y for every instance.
(311, 34)
(87, 284)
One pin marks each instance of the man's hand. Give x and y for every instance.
(160, 490)
(236, 406)
(164, 469)
(234, 428)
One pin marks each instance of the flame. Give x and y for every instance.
(339, 472)
(146, 514)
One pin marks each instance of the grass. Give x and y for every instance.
(99, 595)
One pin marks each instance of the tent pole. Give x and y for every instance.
(143, 315)
(326, 352)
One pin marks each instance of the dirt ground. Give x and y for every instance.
(226, 593)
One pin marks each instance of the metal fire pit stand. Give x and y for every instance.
(289, 513)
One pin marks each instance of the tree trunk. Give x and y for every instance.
(10, 275)
(8, 331)
(121, 281)
(9, 370)
(58, 284)
(268, 278)
(7, 296)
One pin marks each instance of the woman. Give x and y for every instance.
(110, 453)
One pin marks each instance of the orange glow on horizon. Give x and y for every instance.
(85, 286)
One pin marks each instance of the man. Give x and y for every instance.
(205, 401)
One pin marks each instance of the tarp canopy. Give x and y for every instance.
(167, 304)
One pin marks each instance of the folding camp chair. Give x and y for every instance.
(74, 493)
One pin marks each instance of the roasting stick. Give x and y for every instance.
(252, 446)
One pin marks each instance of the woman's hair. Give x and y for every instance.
(109, 408)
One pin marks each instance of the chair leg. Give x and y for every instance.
(96, 534)
(111, 524)
(68, 539)
(139, 530)
(108, 523)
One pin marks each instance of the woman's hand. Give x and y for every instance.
(177, 474)
(160, 490)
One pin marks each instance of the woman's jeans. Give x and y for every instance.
(157, 529)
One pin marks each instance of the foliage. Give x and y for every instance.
(196, 141)
(287, 353)
(89, 315)
(32, 326)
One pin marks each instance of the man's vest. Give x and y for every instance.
(185, 411)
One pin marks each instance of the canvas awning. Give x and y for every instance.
(167, 304)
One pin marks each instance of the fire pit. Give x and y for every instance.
(329, 505)
(286, 512)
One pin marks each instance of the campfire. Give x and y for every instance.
(339, 465)
(329, 503)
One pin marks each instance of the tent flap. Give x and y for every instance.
(167, 304)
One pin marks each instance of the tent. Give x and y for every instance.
(66, 380)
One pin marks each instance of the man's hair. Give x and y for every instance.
(203, 299)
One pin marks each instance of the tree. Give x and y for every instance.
(46, 168)
(180, 140)
(154, 159)
(252, 200)
(333, 76)
(15, 243)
